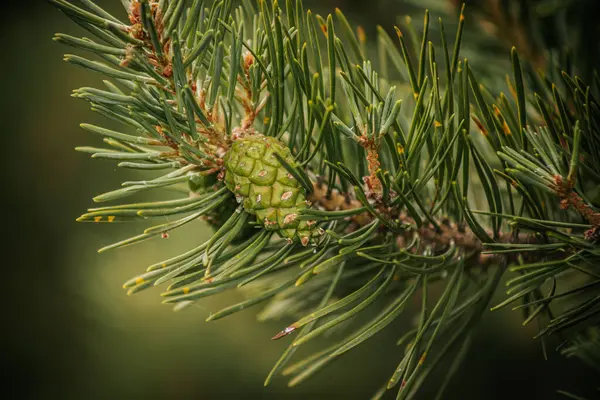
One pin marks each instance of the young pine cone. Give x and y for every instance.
(265, 188)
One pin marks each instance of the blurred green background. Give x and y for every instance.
(71, 330)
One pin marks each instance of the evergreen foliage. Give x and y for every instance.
(418, 178)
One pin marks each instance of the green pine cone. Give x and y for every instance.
(267, 190)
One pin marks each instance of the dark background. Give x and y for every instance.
(71, 331)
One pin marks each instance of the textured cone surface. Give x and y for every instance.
(267, 190)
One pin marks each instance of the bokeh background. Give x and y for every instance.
(71, 331)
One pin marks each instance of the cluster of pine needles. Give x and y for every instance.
(424, 184)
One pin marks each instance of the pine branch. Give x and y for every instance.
(333, 188)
